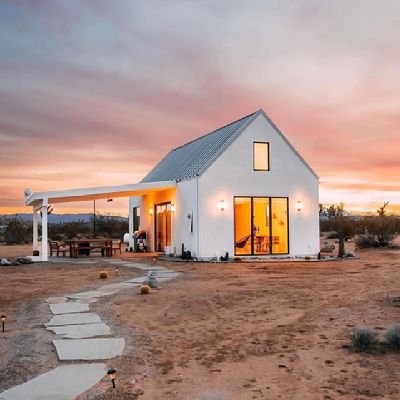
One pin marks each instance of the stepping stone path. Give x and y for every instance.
(83, 338)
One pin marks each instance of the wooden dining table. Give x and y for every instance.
(83, 247)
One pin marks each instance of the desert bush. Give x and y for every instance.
(17, 231)
(392, 337)
(366, 241)
(363, 339)
(103, 275)
(213, 395)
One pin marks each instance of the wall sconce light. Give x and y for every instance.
(151, 211)
(221, 205)
(3, 320)
(173, 207)
(299, 205)
(111, 374)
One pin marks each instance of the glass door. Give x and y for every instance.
(162, 226)
(261, 225)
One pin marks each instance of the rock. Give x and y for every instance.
(4, 261)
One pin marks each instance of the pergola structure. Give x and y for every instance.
(40, 201)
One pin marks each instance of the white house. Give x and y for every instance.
(241, 189)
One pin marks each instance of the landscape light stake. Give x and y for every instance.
(3, 320)
(116, 271)
(111, 374)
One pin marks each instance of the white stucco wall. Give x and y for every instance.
(186, 203)
(232, 175)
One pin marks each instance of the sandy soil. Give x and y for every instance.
(251, 331)
(261, 331)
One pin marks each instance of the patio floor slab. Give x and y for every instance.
(89, 349)
(81, 331)
(62, 383)
(74, 319)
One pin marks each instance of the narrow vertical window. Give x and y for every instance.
(260, 156)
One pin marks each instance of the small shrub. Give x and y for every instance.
(392, 337)
(213, 395)
(145, 289)
(103, 275)
(363, 339)
(366, 241)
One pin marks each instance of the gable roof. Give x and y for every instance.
(193, 158)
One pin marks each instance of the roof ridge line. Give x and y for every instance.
(215, 130)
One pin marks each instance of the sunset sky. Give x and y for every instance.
(95, 92)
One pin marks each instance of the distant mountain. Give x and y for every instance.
(60, 218)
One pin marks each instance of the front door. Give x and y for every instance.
(261, 225)
(162, 227)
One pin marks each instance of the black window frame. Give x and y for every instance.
(268, 160)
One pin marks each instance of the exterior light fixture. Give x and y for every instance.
(3, 320)
(221, 205)
(116, 271)
(111, 374)
(151, 211)
(299, 205)
(173, 207)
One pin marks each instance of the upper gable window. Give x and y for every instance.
(261, 156)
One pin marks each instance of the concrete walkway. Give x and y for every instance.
(84, 337)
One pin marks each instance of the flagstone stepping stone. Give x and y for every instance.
(62, 383)
(92, 294)
(113, 286)
(81, 331)
(140, 279)
(54, 300)
(89, 349)
(74, 319)
(67, 308)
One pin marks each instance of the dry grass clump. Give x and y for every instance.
(103, 275)
(213, 395)
(363, 339)
(392, 337)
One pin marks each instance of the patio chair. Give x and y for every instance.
(117, 246)
(57, 248)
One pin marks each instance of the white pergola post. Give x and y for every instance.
(35, 246)
(44, 254)
(130, 245)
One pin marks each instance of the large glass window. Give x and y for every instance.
(261, 225)
(260, 156)
(163, 226)
(243, 225)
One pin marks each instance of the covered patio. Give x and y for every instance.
(39, 201)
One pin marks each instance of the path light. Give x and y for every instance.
(116, 271)
(221, 205)
(3, 320)
(299, 205)
(111, 374)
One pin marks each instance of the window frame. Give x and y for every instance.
(254, 158)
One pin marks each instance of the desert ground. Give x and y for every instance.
(246, 330)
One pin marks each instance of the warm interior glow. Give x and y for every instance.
(261, 225)
(261, 161)
(173, 208)
(151, 212)
(163, 226)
